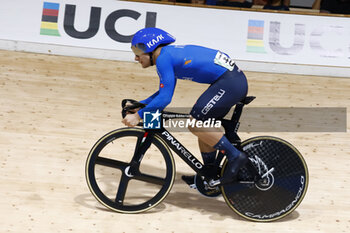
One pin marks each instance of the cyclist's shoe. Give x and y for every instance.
(233, 167)
(189, 180)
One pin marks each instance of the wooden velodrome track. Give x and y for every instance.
(53, 109)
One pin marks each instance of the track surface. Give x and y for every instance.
(53, 109)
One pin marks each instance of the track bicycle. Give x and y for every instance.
(131, 170)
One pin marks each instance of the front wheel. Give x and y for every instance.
(124, 181)
(275, 188)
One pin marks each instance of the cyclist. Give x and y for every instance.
(228, 85)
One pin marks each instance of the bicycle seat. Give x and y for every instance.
(247, 100)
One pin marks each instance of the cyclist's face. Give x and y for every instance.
(143, 59)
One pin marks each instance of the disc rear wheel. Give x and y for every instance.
(277, 189)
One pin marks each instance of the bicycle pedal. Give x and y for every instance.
(213, 183)
(206, 189)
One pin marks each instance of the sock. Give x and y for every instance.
(231, 151)
(209, 157)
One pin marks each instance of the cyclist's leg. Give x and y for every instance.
(208, 155)
(216, 102)
(208, 152)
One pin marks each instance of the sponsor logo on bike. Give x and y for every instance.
(183, 151)
(286, 209)
(151, 120)
(252, 145)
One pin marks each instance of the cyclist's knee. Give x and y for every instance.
(192, 127)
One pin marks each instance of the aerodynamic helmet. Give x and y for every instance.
(148, 39)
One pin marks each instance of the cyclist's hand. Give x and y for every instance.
(132, 111)
(130, 107)
(131, 120)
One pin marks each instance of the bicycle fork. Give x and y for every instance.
(142, 146)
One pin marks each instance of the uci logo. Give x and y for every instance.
(151, 120)
(49, 22)
(302, 37)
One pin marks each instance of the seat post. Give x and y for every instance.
(231, 126)
(237, 114)
(238, 111)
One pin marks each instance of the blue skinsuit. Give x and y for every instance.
(195, 63)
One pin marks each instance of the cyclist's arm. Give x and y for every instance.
(149, 99)
(166, 87)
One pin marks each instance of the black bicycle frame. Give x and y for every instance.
(230, 126)
(179, 149)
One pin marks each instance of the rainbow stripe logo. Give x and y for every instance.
(49, 19)
(255, 41)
